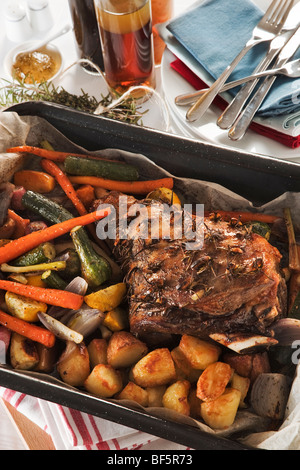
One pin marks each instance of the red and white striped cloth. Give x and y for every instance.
(73, 430)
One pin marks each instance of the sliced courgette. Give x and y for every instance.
(53, 280)
(73, 264)
(261, 228)
(95, 269)
(102, 168)
(41, 254)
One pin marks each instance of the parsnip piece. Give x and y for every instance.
(242, 384)
(199, 353)
(23, 353)
(104, 381)
(97, 350)
(74, 364)
(154, 369)
(124, 349)
(213, 381)
(155, 395)
(135, 393)
(176, 397)
(221, 412)
(23, 307)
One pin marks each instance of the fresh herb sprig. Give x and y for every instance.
(17, 92)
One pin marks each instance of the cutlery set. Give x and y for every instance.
(283, 43)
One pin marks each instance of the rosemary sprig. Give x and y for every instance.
(17, 92)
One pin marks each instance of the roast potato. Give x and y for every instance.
(103, 381)
(199, 353)
(176, 397)
(221, 412)
(154, 369)
(74, 364)
(213, 381)
(135, 393)
(124, 349)
(97, 350)
(23, 352)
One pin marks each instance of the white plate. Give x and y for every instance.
(206, 128)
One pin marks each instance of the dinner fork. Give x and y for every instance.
(268, 27)
(291, 70)
(245, 118)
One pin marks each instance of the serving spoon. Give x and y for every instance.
(43, 43)
(290, 69)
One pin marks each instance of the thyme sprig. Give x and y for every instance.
(17, 92)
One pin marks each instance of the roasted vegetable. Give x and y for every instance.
(73, 266)
(41, 254)
(124, 350)
(166, 195)
(221, 412)
(112, 170)
(156, 368)
(199, 353)
(269, 395)
(103, 381)
(95, 269)
(59, 329)
(261, 228)
(116, 319)
(74, 364)
(213, 381)
(134, 393)
(53, 266)
(107, 299)
(23, 307)
(53, 280)
(38, 181)
(97, 350)
(176, 397)
(23, 353)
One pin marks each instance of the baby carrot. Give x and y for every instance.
(67, 187)
(30, 331)
(21, 245)
(21, 223)
(131, 187)
(244, 216)
(49, 154)
(59, 298)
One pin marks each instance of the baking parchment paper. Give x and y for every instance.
(31, 130)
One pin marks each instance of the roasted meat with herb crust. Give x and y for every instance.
(232, 284)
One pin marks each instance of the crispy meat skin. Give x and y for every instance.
(231, 285)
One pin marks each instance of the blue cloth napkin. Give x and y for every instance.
(215, 31)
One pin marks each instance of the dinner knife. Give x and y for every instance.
(230, 114)
(244, 120)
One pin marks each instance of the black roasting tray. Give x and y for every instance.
(257, 178)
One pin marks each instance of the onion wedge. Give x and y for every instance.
(59, 329)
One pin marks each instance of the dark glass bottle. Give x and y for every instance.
(86, 31)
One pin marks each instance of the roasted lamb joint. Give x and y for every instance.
(232, 284)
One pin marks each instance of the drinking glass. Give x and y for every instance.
(162, 11)
(125, 28)
(86, 32)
